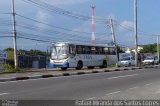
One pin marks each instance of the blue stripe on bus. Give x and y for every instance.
(50, 65)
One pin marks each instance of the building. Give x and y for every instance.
(3, 58)
(31, 61)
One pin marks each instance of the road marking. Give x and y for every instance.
(3, 94)
(147, 84)
(91, 98)
(134, 87)
(122, 76)
(113, 93)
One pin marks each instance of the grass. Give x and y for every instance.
(111, 66)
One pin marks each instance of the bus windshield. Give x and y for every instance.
(59, 52)
(124, 59)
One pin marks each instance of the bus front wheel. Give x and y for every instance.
(79, 65)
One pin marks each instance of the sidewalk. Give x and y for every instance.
(45, 73)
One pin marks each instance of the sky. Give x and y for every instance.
(60, 20)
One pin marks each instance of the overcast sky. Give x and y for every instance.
(61, 27)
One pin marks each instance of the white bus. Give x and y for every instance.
(71, 55)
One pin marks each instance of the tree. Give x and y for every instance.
(10, 53)
(9, 49)
(36, 52)
(119, 50)
(150, 48)
(22, 51)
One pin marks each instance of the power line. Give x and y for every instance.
(5, 32)
(33, 39)
(40, 29)
(2, 13)
(130, 28)
(52, 8)
(26, 36)
(33, 35)
(5, 36)
(49, 25)
(50, 32)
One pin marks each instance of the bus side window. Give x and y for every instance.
(100, 50)
(79, 49)
(94, 50)
(86, 50)
(112, 51)
(72, 50)
(106, 51)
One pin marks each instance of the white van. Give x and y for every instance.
(150, 60)
(126, 62)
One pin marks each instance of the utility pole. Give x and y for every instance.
(158, 47)
(135, 31)
(93, 24)
(113, 37)
(14, 35)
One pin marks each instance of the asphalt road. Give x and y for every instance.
(135, 84)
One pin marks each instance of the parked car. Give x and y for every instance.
(150, 60)
(126, 62)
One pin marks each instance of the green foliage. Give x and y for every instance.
(9, 49)
(37, 52)
(8, 68)
(119, 50)
(10, 52)
(150, 48)
(111, 66)
(22, 51)
(10, 55)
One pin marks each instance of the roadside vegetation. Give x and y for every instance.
(10, 68)
(111, 66)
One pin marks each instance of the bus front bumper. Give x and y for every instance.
(65, 65)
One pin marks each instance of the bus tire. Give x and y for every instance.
(63, 68)
(90, 67)
(79, 65)
(104, 65)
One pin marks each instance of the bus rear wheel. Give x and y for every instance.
(79, 65)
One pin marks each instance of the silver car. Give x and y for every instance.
(126, 62)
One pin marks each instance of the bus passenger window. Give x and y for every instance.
(100, 50)
(112, 51)
(106, 51)
(79, 49)
(87, 50)
(94, 50)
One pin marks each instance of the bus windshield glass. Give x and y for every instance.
(59, 52)
(124, 59)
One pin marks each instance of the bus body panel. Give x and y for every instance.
(67, 55)
(87, 60)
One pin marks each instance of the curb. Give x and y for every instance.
(72, 73)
